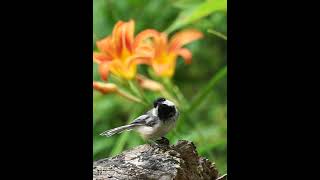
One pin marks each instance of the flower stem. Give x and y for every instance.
(117, 79)
(173, 92)
(130, 97)
(136, 89)
(179, 94)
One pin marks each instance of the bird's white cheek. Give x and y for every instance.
(169, 103)
(154, 111)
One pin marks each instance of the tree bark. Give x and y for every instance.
(165, 162)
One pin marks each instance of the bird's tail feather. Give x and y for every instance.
(118, 130)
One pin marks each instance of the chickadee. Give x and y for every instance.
(154, 124)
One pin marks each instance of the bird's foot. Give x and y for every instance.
(163, 141)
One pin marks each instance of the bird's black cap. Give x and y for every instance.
(160, 99)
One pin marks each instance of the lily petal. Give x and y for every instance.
(145, 54)
(106, 45)
(146, 83)
(139, 60)
(117, 35)
(100, 57)
(149, 33)
(116, 28)
(129, 39)
(104, 70)
(121, 69)
(182, 38)
(186, 54)
(161, 44)
(104, 87)
(123, 38)
(145, 50)
(165, 70)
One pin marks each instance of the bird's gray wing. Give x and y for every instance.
(151, 121)
(141, 119)
(147, 119)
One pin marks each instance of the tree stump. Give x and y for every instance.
(165, 162)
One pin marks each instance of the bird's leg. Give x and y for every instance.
(151, 142)
(163, 141)
(159, 143)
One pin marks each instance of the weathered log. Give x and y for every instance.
(179, 162)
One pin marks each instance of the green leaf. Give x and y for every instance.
(219, 34)
(207, 89)
(184, 4)
(197, 12)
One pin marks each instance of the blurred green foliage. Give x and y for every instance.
(206, 123)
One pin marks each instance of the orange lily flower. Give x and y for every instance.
(121, 52)
(166, 53)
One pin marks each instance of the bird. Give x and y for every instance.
(154, 124)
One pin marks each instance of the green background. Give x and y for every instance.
(206, 125)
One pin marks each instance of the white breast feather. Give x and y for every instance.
(157, 131)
